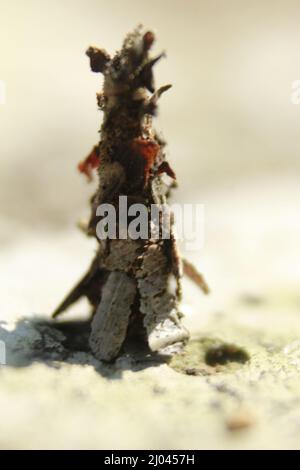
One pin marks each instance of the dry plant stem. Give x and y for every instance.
(133, 285)
(191, 271)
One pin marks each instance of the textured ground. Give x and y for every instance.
(54, 394)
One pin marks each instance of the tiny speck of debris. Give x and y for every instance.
(241, 419)
(224, 353)
(157, 389)
(197, 371)
(252, 299)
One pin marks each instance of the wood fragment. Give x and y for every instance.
(110, 322)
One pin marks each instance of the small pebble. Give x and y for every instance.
(240, 419)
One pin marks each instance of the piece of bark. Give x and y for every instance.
(110, 322)
(158, 299)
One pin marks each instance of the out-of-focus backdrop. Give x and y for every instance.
(228, 116)
(233, 137)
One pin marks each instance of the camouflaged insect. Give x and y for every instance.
(132, 285)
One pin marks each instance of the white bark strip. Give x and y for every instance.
(158, 300)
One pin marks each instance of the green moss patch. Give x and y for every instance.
(206, 356)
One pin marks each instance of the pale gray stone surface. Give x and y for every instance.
(55, 394)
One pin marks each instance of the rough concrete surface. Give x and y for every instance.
(55, 394)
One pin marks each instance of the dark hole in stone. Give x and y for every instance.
(224, 353)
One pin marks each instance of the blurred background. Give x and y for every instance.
(233, 138)
(228, 116)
